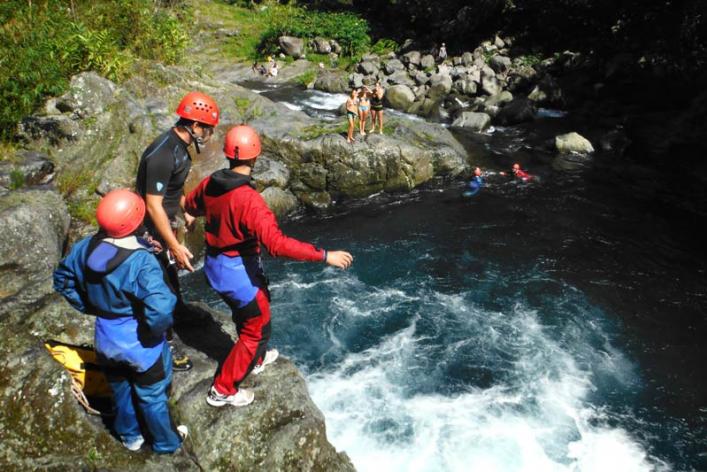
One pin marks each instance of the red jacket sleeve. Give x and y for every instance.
(259, 220)
(194, 203)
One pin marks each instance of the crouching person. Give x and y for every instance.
(114, 276)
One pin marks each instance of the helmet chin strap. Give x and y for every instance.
(194, 138)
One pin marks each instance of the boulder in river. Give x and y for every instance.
(392, 66)
(517, 111)
(368, 68)
(573, 143)
(472, 120)
(440, 86)
(399, 97)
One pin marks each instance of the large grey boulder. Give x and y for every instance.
(53, 130)
(368, 68)
(281, 202)
(440, 86)
(427, 62)
(412, 58)
(89, 94)
(421, 77)
(465, 86)
(399, 97)
(332, 82)
(489, 83)
(573, 143)
(517, 111)
(321, 45)
(472, 120)
(291, 46)
(401, 78)
(34, 225)
(269, 172)
(393, 65)
(500, 64)
(356, 80)
(499, 99)
(467, 58)
(28, 168)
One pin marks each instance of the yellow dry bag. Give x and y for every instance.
(87, 378)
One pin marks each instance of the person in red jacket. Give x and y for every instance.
(519, 173)
(237, 221)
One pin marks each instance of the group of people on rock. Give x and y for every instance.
(126, 274)
(269, 69)
(362, 103)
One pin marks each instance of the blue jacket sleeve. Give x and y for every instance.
(67, 279)
(156, 296)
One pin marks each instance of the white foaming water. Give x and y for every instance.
(324, 101)
(383, 407)
(292, 106)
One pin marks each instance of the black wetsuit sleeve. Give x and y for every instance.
(158, 171)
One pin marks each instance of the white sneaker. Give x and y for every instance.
(183, 431)
(242, 397)
(269, 357)
(135, 444)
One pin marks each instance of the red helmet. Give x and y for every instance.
(242, 143)
(120, 212)
(197, 106)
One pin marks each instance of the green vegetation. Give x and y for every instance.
(259, 26)
(317, 130)
(306, 78)
(532, 59)
(43, 43)
(350, 31)
(384, 46)
(17, 179)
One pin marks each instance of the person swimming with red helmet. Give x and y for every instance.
(475, 184)
(519, 173)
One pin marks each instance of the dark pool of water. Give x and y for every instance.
(551, 325)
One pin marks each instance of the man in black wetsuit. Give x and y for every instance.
(163, 169)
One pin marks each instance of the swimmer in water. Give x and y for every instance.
(475, 184)
(519, 173)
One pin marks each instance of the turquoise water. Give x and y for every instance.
(556, 325)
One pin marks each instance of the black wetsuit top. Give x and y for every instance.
(164, 167)
(376, 103)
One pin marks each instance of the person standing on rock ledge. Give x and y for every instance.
(163, 169)
(114, 276)
(237, 221)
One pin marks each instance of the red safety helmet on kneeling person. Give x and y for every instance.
(242, 143)
(120, 213)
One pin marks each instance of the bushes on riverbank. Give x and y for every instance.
(43, 43)
(350, 31)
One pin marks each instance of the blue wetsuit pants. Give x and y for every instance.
(145, 392)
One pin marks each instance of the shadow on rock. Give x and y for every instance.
(197, 328)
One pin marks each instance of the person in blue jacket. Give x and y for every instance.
(114, 276)
(475, 184)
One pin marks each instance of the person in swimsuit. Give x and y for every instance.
(377, 107)
(351, 112)
(364, 107)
